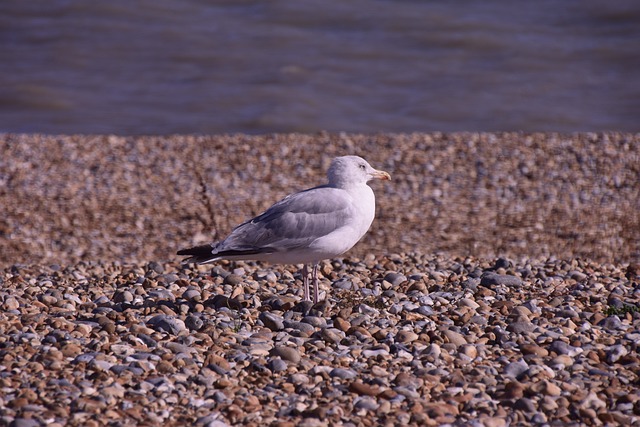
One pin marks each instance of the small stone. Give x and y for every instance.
(169, 324)
(341, 324)
(562, 348)
(170, 278)
(194, 323)
(395, 278)
(515, 369)
(277, 365)
(11, 303)
(232, 279)
(404, 336)
(533, 349)
(614, 353)
(469, 350)
(613, 323)
(493, 422)
(24, 422)
(491, 279)
(546, 388)
(318, 322)
(271, 321)
(192, 295)
(576, 275)
(455, 338)
(343, 373)
(466, 302)
(520, 327)
(71, 350)
(305, 328)
(524, 404)
(287, 353)
(332, 335)
(359, 387)
(514, 390)
(367, 403)
(155, 267)
(123, 296)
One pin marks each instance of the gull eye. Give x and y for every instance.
(362, 166)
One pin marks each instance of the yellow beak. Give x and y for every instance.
(381, 175)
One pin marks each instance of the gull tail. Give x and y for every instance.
(199, 254)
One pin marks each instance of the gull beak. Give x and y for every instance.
(380, 175)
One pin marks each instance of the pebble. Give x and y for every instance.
(491, 279)
(302, 327)
(455, 338)
(271, 321)
(395, 278)
(345, 374)
(277, 365)
(169, 324)
(287, 353)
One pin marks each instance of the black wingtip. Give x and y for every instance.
(197, 254)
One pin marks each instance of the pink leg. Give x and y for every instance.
(305, 282)
(314, 276)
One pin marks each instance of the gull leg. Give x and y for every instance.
(305, 282)
(314, 276)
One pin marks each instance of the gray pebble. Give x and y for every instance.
(169, 278)
(561, 347)
(524, 404)
(24, 422)
(286, 353)
(271, 321)
(192, 294)
(345, 284)
(277, 365)
(300, 326)
(233, 280)
(614, 353)
(366, 402)
(164, 323)
(194, 322)
(375, 353)
(395, 278)
(490, 279)
(155, 267)
(343, 373)
(161, 294)
(332, 335)
(515, 369)
(613, 323)
(520, 326)
(318, 322)
(122, 296)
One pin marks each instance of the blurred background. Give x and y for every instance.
(175, 66)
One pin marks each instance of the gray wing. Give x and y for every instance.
(294, 222)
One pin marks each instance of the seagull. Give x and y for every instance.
(305, 227)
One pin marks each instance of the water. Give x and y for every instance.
(178, 66)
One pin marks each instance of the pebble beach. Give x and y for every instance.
(499, 284)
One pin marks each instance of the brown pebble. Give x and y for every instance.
(533, 349)
(364, 389)
(341, 324)
(71, 350)
(514, 390)
(405, 336)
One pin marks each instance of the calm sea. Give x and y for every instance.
(196, 66)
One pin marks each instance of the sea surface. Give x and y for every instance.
(196, 66)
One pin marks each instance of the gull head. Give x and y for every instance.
(347, 171)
